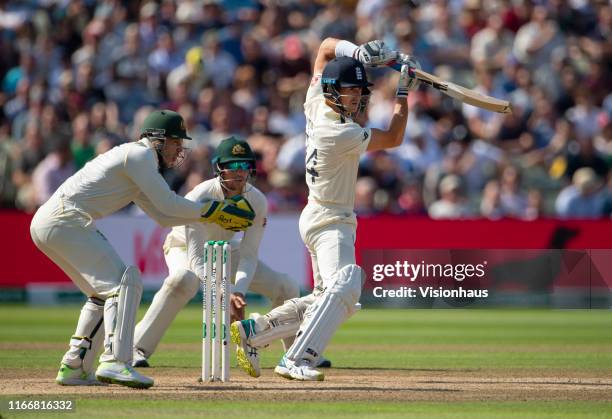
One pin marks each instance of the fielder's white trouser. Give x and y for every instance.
(181, 285)
(331, 248)
(69, 238)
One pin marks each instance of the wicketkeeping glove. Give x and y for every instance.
(407, 80)
(374, 53)
(235, 214)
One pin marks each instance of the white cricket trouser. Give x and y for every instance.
(329, 235)
(331, 246)
(69, 238)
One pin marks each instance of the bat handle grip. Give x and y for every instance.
(395, 65)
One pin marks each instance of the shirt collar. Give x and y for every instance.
(147, 143)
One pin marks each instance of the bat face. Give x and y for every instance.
(471, 97)
(431, 80)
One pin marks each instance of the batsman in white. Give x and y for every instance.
(234, 164)
(64, 229)
(337, 97)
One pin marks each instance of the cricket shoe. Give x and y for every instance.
(67, 376)
(301, 371)
(139, 360)
(246, 355)
(122, 374)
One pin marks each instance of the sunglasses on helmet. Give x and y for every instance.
(238, 165)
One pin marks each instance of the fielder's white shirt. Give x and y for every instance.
(194, 236)
(124, 174)
(334, 145)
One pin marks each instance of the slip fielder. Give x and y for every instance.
(64, 229)
(234, 164)
(338, 94)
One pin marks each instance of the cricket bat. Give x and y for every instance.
(461, 93)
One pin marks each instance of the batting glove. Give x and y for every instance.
(407, 80)
(374, 54)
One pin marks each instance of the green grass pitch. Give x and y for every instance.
(488, 360)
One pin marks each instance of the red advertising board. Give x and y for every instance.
(24, 263)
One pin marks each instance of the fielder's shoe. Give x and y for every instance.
(122, 374)
(67, 376)
(301, 371)
(324, 362)
(139, 360)
(246, 355)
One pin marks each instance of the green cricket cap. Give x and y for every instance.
(233, 149)
(165, 124)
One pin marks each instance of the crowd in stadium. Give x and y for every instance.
(78, 77)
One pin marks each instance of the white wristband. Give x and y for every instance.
(345, 49)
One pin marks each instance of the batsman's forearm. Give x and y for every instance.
(394, 135)
(327, 52)
(328, 47)
(399, 120)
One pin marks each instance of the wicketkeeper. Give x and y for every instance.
(64, 229)
(234, 164)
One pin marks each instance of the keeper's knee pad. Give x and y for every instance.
(120, 314)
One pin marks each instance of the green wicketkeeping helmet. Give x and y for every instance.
(164, 124)
(232, 149)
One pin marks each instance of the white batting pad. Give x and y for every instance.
(120, 317)
(328, 312)
(282, 322)
(269, 335)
